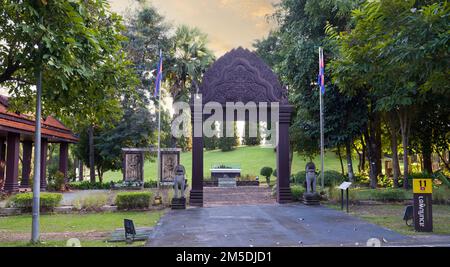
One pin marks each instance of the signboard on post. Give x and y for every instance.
(423, 214)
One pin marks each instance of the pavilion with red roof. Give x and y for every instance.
(17, 129)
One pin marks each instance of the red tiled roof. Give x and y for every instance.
(51, 127)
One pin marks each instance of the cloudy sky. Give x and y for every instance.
(228, 23)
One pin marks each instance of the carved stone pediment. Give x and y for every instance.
(241, 76)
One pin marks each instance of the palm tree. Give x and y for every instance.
(189, 59)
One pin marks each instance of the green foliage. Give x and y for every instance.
(57, 182)
(24, 201)
(87, 185)
(189, 58)
(133, 200)
(331, 178)
(251, 141)
(228, 143)
(299, 178)
(388, 194)
(441, 195)
(266, 172)
(93, 202)
(297, 191)
(335, 194)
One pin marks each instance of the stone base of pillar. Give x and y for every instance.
(196, 198)
(11, 187)
(284, 195)
(24, 185)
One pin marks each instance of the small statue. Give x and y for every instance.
(179, 181)
(310, 177)
(311, 197)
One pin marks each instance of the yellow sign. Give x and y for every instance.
(422, 186)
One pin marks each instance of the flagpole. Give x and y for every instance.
(159, 132)
(321, 123)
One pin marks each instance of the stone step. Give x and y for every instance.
(241, 195)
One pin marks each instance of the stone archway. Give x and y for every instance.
(241, 76)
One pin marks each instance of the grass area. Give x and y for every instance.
(54, 223)
(391, 216)
(251, 159)
(57, 228)
(62, 243)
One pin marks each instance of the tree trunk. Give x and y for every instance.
(80, 173)
(340, 160)
(378, 144)
(359, 157)
(349, 161)
(91, 154)
(426, 155)
(393, 130)
(446, 164)
(371, 156)
(100, 174)
(395, 162)
(363, 154)
(405, 126)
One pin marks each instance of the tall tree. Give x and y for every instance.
(396, 52)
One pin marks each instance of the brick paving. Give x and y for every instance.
(241, 195)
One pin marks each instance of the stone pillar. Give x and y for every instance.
(63, 158)
(196, 194)
(27, 147)
(44, 148)
(283, 173)
(12, 163)
(2, 161)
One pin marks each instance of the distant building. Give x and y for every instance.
(17, 129)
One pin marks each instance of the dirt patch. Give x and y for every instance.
(88, 235)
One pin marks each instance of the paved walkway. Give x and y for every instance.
(267, 225)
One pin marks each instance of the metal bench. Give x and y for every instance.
(129, 230)
(408, 216)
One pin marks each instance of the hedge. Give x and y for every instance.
(24, 201)
(87, 185)
(388, 194)
(133, 200)
(297, 192)
(331, 178)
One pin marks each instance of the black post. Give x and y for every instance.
(342, 199)
(347, 199)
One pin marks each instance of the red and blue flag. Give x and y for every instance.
(158, 75)
(321, 77)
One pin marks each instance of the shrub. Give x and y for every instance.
(247, 177)
(441, 195)
(331, 178)
(297, 191)
(56, 182)
(92, 202)
(87, 185)
(24, 201)
(151, 184)
(335, 194)
(133, 200)
(388, 194)
(299, 178)
(266, 172)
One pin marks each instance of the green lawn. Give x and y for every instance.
(391, 216)
(57, 228)
(106, 221)
(251, 160)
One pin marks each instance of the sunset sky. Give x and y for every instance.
(228, 23)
